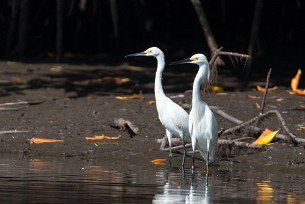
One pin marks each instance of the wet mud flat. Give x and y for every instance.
(77, 103)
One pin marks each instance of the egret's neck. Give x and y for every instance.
(202, 75)
(158, 78)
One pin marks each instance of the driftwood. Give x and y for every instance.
(123, 124)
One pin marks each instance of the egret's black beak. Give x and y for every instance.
(136, 54)
(181, 61)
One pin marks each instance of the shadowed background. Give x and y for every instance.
(96, 31)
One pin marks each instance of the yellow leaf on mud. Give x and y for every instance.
(103, 137)
(159, 161)
(295, 80)
(37, 140)
(261, 89)
(151, 102)
(302, 128)
(216, 89)
(266, 137)
(130, 97)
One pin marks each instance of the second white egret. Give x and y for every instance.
(202, 122)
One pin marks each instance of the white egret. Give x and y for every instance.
(172, 116)
(202, 122)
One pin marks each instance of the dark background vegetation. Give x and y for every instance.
(95, 29)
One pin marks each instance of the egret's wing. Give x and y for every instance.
(190, 124)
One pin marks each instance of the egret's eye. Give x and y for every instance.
(148, 51)
(194, 58)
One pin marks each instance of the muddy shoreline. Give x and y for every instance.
(78, 102)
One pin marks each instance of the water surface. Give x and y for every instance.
(50, 180)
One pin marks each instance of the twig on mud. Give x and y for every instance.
(22, 103)
(12, 131)
(11, 109)
(3, 106)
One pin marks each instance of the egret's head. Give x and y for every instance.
(198, 59)
(195, 59)
(153, 51)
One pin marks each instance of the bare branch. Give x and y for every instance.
(265, 93)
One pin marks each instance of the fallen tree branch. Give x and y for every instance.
(241, 124)
(290, 137)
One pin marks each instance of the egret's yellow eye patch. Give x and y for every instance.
(148, 51)
(194, 58)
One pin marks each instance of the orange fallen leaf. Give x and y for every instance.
(151, 102)
(159, 161)
(131, 97)
(103, 137)
(266, 137)
(37, 140)
(16, 80)
(261, 89)
(295, 80)
(300, 92)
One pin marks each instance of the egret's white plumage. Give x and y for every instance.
(202, 122)
(172, 116)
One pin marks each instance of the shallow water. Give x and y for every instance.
(50, 180)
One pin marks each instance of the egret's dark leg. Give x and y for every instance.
(184, 153)
(193, 164)
(194, 148)
(170, 155)
(207, 162)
